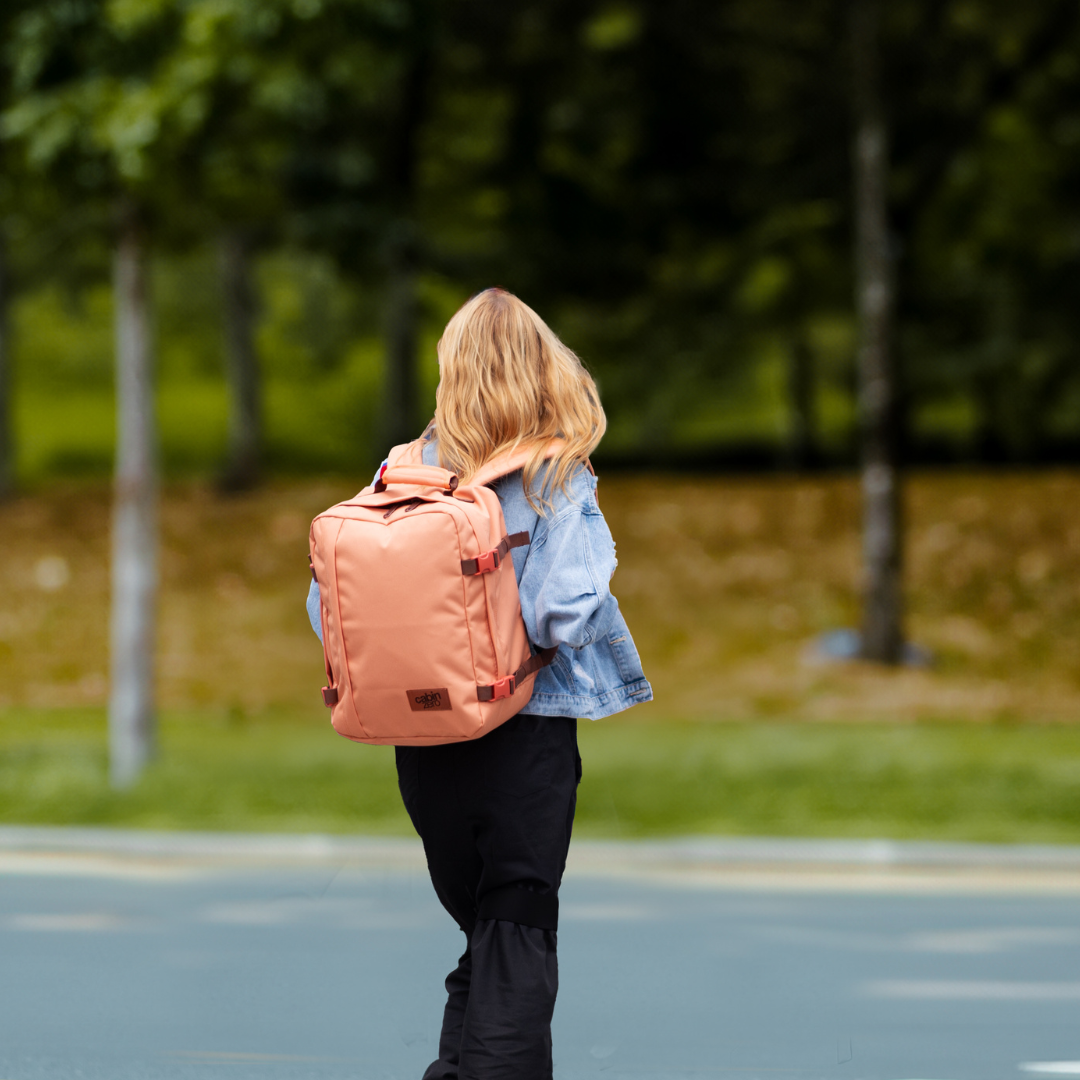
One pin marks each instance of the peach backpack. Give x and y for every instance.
(423, 637)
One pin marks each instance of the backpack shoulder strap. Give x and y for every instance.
(406, 454)
(509, 462)
(411, 453)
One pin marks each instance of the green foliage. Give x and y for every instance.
(321, 364)
(668, 182)
(942, 781)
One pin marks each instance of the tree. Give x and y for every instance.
(665, 181)
(88, 120)
(799, 452)
(984, 195)
(241, 363)
(7, 455)
(882, 632)
(314, 120)
(7, 195)
(134, 549)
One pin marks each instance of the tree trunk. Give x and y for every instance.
(241, 363)
(882, 630)
(134, 544)
(7, 443)
(402, 316)
(800, 440)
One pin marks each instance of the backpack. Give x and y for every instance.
(423, 637)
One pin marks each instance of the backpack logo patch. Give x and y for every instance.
(435, 700)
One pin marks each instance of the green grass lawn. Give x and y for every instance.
(982, 782)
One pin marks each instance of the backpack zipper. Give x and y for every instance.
(412, 504)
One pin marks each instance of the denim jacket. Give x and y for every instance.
(563, 581)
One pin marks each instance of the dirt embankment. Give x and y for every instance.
(725, 584)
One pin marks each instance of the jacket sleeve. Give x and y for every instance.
(564, 588)
(313, 613)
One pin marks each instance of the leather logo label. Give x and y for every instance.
(434, 700)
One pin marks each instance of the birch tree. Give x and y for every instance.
(135, 517)
(105, 119)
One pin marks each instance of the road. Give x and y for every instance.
(137, 967)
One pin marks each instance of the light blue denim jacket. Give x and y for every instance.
(563, 581)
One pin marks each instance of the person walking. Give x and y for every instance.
(495, 814)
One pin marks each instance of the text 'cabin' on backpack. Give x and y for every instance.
(423, 637)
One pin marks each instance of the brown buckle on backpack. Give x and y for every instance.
(329, 696)
(503, 688)
(492, 560)
(482, 564)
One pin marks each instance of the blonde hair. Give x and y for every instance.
(507, 381)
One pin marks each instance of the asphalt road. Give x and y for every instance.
(144, 968)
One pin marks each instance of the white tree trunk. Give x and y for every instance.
(7, 443)
(134, 541)
(882, 629)
(241, 363)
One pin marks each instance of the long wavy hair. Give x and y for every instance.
(507, 381)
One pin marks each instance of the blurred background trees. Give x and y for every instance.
(669, 183)
(781, 235)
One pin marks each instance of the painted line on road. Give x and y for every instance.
(56, 864)
(972, 990)
(205, 1057)
(833, 879)
(77, 922)
(1052, 1068)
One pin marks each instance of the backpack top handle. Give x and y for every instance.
(418, 476)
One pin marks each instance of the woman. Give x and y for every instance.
(495, 814)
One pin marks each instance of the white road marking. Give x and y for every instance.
(972, 990)
(77, 921)
(47, 864)
(205, 1057)
(991, 939)
(974, 942)
(605, 912)
(346, 914)
(1051, 1068)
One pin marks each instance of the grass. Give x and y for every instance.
(220, 772)
(988, 782)
(930, 781)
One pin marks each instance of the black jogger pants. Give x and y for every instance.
(495, 816)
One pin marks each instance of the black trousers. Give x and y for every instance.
(495, 816)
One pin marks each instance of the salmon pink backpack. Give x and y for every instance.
(423, 637)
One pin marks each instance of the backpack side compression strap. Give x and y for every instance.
(491, 560)
(505, 687)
